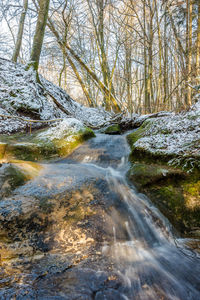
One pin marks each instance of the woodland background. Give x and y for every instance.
(136, 56)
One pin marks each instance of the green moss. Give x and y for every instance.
(146, 124)
(13, 94)
(27, 168)
(173, 203)
(143, 155)
(30, 151)
(139, 133)
(172, 197)
(192, 189)
(20, 137)
(113, 129)
(165, 131)
(170, 201)
(64, 147)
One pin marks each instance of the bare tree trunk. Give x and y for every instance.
(20, 31)
(146, 94)
(128, 76)
(165, 64)
(159, 89)
(150, 54)
(181, 49)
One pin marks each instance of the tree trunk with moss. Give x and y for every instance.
(39, 33)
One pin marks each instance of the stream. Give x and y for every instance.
(113, 244)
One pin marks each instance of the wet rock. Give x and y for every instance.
(137, 134)
(109, 294)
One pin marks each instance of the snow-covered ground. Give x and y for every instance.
(21, 95)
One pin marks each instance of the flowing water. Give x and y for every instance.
(148, 260)
(142, 247)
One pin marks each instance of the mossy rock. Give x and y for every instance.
(34, 148)
(142, 154)
(113, 129)
(10, 178)
(174, 192)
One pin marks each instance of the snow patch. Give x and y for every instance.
(174, 135)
